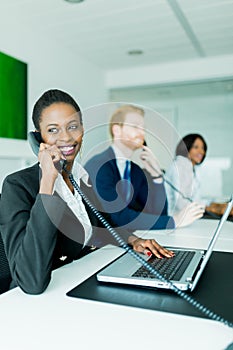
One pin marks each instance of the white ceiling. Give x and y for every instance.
(103, 31)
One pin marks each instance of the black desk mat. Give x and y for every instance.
(214, 290)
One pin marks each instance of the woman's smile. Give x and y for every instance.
(67, 150)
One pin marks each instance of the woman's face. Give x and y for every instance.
(60, 125)
(197, 152)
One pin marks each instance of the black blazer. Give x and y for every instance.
(39, 229)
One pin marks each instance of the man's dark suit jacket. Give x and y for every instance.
(147, 208)
(39, 229)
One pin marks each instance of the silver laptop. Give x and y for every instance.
(183, 270)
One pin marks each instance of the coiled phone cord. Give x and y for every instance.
(125, 246)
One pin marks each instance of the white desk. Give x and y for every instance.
(54, 321)
(197, 235)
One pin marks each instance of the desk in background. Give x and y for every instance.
(54, 321)
(197, 235)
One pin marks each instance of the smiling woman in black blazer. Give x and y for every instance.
(44, 222)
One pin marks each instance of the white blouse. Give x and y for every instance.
(75, 201)
(183, 176)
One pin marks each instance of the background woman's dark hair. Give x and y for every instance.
(186, 144)
(47, 99)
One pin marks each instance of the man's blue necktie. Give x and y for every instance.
(127, 182)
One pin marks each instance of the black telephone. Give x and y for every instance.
(35, 140)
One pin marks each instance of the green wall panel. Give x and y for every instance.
(13, 98)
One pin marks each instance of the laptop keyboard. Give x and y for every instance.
(170, 268)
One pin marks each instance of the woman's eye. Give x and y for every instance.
(53, 130)
(73, 127)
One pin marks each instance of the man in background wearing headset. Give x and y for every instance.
(135, 199)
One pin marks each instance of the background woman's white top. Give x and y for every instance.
(183, 176)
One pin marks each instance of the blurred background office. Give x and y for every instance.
(173, 57)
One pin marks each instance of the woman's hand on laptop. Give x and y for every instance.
(149, 247)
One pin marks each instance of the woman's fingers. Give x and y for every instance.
(150, 246)
(147, 252)
(53, 151)
(49, 157)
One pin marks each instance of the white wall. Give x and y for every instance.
(174, 72)
(207, 111)
(50, 65)
(204, 108)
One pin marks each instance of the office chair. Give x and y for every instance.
(5, 275)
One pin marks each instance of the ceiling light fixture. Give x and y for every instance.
(135, 52)
(74, 1)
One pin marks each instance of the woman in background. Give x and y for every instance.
(183, 184)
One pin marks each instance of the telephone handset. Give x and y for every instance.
(35, 139)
